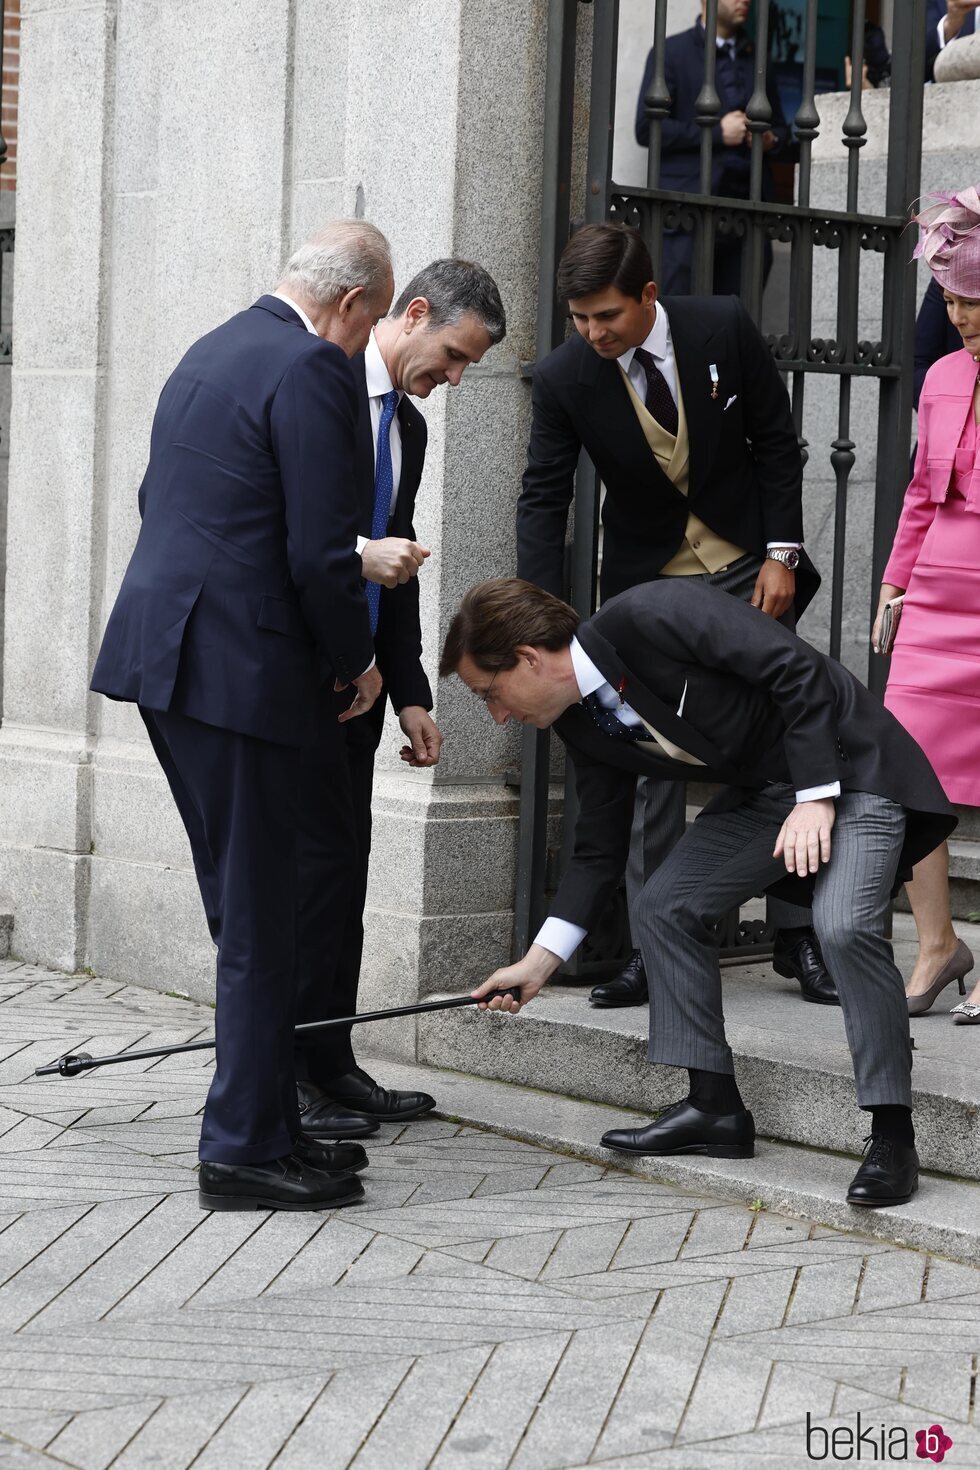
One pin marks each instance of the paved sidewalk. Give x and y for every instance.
(492, 1304)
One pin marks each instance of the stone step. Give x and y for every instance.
(943, 1217)
(791, 1059)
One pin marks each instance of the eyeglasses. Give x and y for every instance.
(487, 694)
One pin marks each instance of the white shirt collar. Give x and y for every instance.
(657, 342)
(587, 676)
(376, 374)
(281, 296)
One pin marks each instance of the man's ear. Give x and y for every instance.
(529, 654)
(349, 299)
(416, 313)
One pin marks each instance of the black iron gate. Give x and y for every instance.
(806, 229)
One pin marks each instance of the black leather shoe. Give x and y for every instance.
(800, 959)
(628, 988)
(359, 1092)
(889, 1174)
(330, 1158)
(684, 1129)
(281, 1184)
(323, 1118)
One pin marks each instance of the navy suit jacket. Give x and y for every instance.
(935, 11)
(398, 640)
(245, 576)
(680, 150)
(935, 335)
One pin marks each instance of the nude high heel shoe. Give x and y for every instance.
(959, 964)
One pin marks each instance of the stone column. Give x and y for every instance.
(55, 528)
(171, 157)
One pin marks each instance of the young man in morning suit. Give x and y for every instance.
(242, 596)
(681, 410)
(446, 318)
(669, 673)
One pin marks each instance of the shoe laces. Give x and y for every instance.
(878, 1150)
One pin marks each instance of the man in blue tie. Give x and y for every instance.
(446, 318)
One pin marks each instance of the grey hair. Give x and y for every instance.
(452, 288)
(344, 254)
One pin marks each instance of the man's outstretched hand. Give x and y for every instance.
(804, 838)
(528, 976)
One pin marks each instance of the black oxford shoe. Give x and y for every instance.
(359, 1092)
(796, 956)
(321, 1117)
(628, 988)
(684, 1129)
(889, 1174)
(281, 1184)
(330, 1158)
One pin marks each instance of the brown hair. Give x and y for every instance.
(497, 616)
(599, 256)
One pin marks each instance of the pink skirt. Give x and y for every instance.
(934, 683)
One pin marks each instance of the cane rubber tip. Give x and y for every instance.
(73, 1063)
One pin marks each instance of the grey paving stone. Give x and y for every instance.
(523, 1255)
(93, 1440)
(179, 1430)
(584, 1249)
(420, 1413)
(495, 1417)
(255, 1431)
(343, 1415)
(575, 1404)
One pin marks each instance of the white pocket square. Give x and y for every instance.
(729, 403)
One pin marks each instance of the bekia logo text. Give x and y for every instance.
(874, 1442)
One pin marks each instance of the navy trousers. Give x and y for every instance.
(238, 798)
(337, 784)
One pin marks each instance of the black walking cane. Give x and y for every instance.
(72, 1063)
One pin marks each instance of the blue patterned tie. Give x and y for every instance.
(610, 723)
(384, 481)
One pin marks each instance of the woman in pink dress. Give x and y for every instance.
(934, 680)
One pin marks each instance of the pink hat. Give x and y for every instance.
(949, 241)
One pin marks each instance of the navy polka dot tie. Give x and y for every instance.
(610, 723)
(659, 401)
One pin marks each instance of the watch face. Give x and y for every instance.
(792, 560)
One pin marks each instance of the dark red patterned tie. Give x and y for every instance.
(658, 400)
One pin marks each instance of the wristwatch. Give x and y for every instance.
(788, 555)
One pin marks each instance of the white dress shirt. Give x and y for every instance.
(378, 384)
(561, 936)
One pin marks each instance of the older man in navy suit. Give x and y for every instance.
(242, 596)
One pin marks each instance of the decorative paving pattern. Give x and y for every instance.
(491, 1305)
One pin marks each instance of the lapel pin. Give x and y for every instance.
(713, 375)
(621, 689)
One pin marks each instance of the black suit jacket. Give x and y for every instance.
(935, 11)
(398, 639)
(746, 472)
(760, 705)
(245, 575)
(680, 153)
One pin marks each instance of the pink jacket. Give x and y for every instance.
(947, 398)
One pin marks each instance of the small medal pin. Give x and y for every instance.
(621, 689)
(713, 375)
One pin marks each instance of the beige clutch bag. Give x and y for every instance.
(890, 616)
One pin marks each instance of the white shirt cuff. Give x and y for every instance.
(362, 541)
(368, 669)
(781, 545)
(941, 29)
(561, 937)
(819, 793)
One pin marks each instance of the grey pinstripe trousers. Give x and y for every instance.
(725, 858)
(659, 813)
